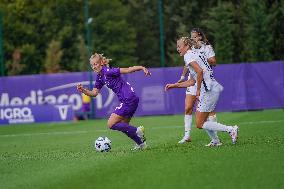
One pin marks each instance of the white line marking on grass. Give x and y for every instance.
(50, 133)
(165, 127)
(255, 122)
(76, 132)
(105, 130)
(241, 123)
(54, 133)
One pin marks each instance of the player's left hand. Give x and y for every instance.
(80, 87)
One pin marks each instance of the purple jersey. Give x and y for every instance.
(111, 78)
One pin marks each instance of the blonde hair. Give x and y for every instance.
(188, 41)
(101, 58)
(106, 60)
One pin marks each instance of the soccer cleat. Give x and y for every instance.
(142, 146)
(234, 134)
(184, 140)
(141, 133)
(214, 143)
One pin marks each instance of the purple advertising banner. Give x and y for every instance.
(35, 113)
(247, 86)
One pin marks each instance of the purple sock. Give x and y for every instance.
(129, 130)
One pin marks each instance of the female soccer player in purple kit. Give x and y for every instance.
(120, 118)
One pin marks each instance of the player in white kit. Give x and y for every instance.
(204, 47)
(207, 91)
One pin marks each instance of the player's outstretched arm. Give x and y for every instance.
(134, 69)
(87, 92)
(184, 84)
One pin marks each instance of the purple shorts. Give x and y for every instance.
(127, 110)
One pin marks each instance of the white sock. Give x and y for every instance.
(212, 134)
(187, 125)
(209, 132)
(210, 125)
(214, 119)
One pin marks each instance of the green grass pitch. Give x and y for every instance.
(61, 155)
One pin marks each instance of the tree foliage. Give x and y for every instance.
(220, 25)
(53, 57)
(111, 33)
(257, 31)
(128, 32)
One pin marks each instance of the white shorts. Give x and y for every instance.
(208, 99)
(191, 90)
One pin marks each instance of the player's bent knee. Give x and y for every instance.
(199, 125)
(110, 124)
(188, 110)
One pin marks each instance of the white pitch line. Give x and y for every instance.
(76, 132)
(50, 133)
(241, 123)
(102, 130)
(255, 122)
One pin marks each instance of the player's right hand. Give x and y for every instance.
(169, 86)
(197, 94)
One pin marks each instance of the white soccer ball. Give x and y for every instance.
(103, 144)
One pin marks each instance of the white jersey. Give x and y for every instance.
(210, 88)
(206, 50)
(195, 56)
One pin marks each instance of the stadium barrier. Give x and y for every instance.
(247, 86)
(35, 113)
